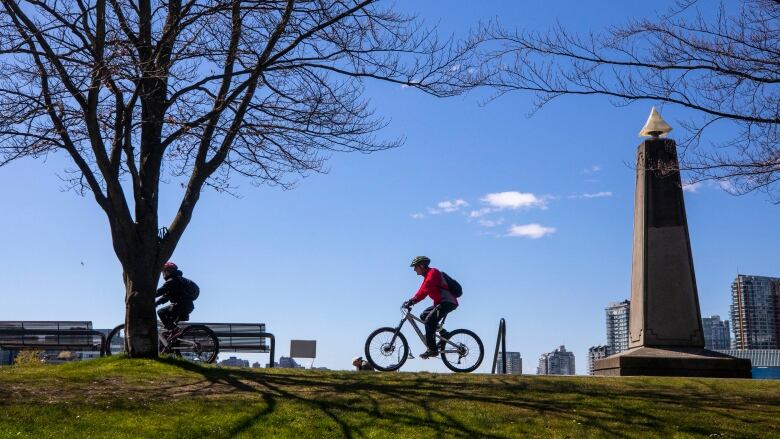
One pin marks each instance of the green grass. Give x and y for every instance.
(122, 398)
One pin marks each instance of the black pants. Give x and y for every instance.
(432, 316)
(175, 313)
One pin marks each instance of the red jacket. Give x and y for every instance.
(431, 286)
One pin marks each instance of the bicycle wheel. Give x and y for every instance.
(386, 350)
(196, 343)
(467, 352)
(115, 341)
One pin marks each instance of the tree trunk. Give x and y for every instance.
(140, 318)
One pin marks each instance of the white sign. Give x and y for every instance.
(303, 348)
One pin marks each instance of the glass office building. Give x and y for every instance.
(755, 312)
(617, 326)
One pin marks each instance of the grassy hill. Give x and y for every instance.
(121, 398)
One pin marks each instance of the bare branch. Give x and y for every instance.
(724, 64)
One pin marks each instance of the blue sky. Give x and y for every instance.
(329, 259)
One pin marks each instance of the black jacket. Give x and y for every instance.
(174, 290)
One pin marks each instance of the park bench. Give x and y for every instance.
(233, 337)
(243, 337)
(51, 336)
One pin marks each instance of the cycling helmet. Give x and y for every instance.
(425, 260)
(170, 266)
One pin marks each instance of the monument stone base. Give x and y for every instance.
(673, 361)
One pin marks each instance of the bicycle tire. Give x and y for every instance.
(379, 355)
(468, 342)
(197, 343)
(117, 332)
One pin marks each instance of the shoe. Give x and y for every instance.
(429, 353)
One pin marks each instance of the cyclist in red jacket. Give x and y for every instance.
(444, 302)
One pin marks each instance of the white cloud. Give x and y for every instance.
(481, 212)
(592, 170)
(490, 223)
(692, 187)
(448, 206)
(533, 231)
(418, 215)
(727, 186)
(598, 195)
(514, 200)
(410, 83)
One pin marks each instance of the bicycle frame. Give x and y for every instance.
(413, 319)
(166, 343)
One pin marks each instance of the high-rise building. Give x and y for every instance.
(514, 363)
(557, 362)
(542, 368)
(755, 312)
(597, 353)
(617, 326)
(234, 362)
(287, 362)
(716, 333)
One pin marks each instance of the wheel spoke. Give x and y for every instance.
(386, 350)
(464, 352)
(196, 344)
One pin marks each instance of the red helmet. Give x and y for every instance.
(170, 266)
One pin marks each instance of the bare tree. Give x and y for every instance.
(196, 92)
(722, 63)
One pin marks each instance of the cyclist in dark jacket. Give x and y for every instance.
(174, 290)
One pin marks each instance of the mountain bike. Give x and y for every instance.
(196, 343)
(387, 349)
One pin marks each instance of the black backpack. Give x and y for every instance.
(454, 286)
(191, 289)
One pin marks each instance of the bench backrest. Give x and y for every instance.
(239, 337)
(47, 334)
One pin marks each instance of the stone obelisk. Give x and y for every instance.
(665, 329)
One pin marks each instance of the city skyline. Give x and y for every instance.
(514, 363)
(558, 362)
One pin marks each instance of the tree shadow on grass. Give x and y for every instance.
(615, 411)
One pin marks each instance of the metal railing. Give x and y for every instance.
(50, 335)
(500, 340)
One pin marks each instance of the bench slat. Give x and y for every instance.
(49, 334)
(239, 337)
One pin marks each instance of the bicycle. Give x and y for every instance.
(387, 349)
(197, 343)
